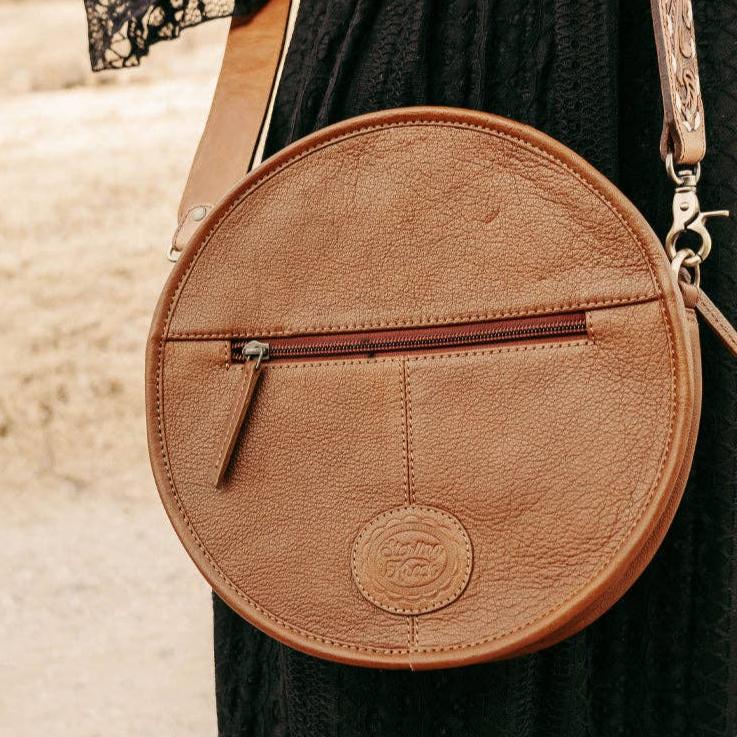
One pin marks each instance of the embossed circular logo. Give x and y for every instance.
(412, 560)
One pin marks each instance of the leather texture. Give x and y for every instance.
(561, 459)
(714, 318)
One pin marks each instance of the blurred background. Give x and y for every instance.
(105, 626)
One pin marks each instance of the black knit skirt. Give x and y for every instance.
(663, 660)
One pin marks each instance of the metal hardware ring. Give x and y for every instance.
(677, 177)
(681, 261)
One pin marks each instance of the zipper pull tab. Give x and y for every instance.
(254, 354)
(255, 349)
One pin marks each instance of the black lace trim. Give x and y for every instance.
(122, 31)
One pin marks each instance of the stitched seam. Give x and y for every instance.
(420, 321)
(405, 452)
(706, 307)
(590, 327)
(432, 511)
(410, 436)
(388, 651)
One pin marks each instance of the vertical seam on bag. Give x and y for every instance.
(405, 433)
(410, 445)
(408, 486)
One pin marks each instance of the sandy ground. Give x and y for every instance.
(104, 623)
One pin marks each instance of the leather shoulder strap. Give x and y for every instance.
(242, 94)
(255, 49)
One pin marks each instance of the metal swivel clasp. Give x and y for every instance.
(687, 216)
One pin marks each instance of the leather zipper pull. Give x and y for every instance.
(713, 317)
(254, 353)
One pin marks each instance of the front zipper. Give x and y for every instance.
(254, 353)
(433, 337)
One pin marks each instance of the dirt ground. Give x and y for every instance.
(104, 622)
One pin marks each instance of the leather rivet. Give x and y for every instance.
(198, 213)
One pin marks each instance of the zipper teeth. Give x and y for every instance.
(430, 340)
(450, 339)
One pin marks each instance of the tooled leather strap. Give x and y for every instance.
(683, 108)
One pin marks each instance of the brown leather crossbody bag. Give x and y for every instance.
(423, 388)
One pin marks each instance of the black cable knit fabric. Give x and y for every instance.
(663, 661)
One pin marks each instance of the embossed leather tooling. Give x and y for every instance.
(424, 388)
(412, 560)
(683, 125)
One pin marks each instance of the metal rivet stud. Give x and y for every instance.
(198, 213)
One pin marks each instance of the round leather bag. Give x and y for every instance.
(422, 392)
